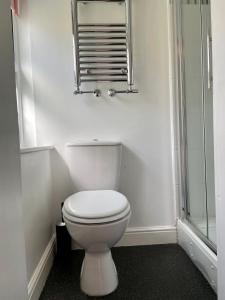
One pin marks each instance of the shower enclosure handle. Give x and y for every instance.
(209, 60)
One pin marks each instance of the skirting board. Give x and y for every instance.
(199, 252)
(38, 279)
(140, 236)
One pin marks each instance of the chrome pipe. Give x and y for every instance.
(122, 69)
(103, 62)
(99, 55)
(102, 50)
(96, 93)
(104, 80)
(101, 25)
(112, 92)
(129, 42)
(91, 1)
(102, 44)
(75, 43)
(103, 37)
(103, 74)
(80, 31)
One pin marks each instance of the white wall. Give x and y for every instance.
(218, 33)
(24, 76)
(37, 205)
(12, 249)
(141, 122)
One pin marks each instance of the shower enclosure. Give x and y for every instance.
(195, 109)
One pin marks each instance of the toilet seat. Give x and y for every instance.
(96, 207)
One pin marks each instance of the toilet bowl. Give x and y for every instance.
(96, 220)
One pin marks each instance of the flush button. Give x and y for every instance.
(212, 267)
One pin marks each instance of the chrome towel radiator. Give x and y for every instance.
(103, 51)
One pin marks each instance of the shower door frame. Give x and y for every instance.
(180, 122)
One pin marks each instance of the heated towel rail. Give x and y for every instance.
(103, 51)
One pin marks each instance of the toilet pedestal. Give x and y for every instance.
(98, 274)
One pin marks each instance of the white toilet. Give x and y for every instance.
(97, 215)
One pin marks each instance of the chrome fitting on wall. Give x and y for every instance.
(103, 51)
(96, 93)
(112, 92)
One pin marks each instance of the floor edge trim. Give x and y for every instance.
(41, 272)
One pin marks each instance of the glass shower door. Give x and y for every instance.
(208, 119)
(197, 107)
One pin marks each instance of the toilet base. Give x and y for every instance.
(98, 274)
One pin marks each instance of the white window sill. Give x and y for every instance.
(35, 149)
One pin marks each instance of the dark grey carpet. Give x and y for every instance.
(145, 273)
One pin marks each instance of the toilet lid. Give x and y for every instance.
(95, 204)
